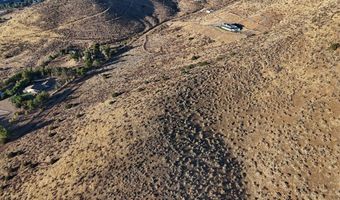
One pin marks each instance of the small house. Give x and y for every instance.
(231, 27)
(40, 86)
(32, 89)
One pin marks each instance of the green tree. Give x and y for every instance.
(88, 64)
(81, 71)
(96, 50)
(40, 99)
(87, 55)
(96, 63)
(30, 105)
(17, 100)
(106, 51)
(75, 55)
(27, 74)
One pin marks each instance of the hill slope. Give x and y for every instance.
(45, 28)
(197, 113)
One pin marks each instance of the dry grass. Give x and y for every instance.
(261, 120)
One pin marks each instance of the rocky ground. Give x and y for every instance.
(198, 113)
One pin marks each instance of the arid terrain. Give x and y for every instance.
(185, 110)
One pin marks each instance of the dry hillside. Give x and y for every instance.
(190, 111)
(32, 34)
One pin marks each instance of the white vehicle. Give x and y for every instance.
(231, 27)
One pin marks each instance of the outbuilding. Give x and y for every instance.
(32, 89)
(233, 27)
(40, 86)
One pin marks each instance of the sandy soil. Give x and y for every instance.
(250, 117)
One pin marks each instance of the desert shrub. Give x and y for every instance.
(89, 63)
(335, 46)
(63, 51)
(4, 134)
(75, 55)
(30, 105)
(96, 50)
(81, 71)
(96, 63)
(40, 98)
(106, 51)
(80, 115)
(14, 118)
(195, 57)
(16, 100)
(185, 71)
(165, 78)
(87, 55)
(52, 57)
(140, 89)
(4, 95)
(203, 63)
(116, 94)
(219, 58)
(27, 74)
(14, 78)
(192, 66)
(68, 106)
(106, 76)
(7, 93)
